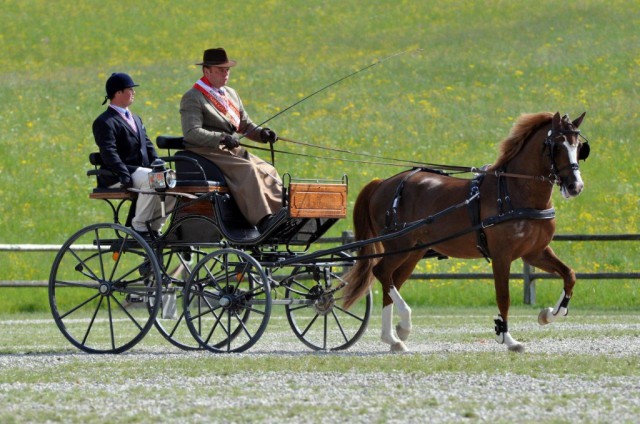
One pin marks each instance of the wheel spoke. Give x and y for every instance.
(97, 238)
(335, 317)
(298, 307)
(324, 333)
(93, 319)
(310, 325)
(61, 283)
(240, 323)
(218, 321)
(351, 314)
(312, 293)
(237, 289)
(113, 340)
(177, 325)
(63, 316)
(84, 265)
(133, 320)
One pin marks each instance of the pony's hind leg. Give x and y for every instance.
(392, 271)
(400, 276)
(403, 329)
(388, 335)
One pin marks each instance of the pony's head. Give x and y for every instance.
(564, 150)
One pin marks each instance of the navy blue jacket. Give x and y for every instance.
(122, 149)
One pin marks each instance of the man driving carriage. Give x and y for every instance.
(213, 118)
(125, 150)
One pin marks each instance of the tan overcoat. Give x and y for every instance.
(255, 184)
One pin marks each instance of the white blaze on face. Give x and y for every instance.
(573, 158)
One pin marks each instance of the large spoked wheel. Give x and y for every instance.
(170, 322)
(315, 313)
(227, 301)
(101, 283)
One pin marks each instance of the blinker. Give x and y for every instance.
(583, 153)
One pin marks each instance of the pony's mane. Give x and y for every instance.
(524, 127)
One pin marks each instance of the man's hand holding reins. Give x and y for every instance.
(267, 135)
(229, 141)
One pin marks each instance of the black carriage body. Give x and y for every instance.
(214, 216)
(206, 282)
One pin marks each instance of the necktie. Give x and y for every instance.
(130, 120)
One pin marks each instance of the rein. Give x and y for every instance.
(399, 162)
(524, 213)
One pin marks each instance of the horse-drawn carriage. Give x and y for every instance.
(211, 279)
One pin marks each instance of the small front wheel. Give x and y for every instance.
(101, 283)
(227, 301)
(315, 311)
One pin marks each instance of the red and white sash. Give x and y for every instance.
(224, 104)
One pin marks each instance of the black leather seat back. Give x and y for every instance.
(187, 170)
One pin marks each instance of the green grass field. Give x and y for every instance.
(480, 66)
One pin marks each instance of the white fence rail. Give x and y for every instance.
(528, 274)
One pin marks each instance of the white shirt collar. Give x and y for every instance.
(122, 110)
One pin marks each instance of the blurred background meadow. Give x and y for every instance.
(480, 64)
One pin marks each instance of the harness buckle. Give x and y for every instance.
(484, 224)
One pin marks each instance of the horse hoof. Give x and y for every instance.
(517, 348)
(543, 317)
(398, 347)
(403, 333)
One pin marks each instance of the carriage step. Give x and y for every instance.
(134, 298)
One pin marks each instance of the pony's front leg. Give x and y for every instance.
(388, 335)
(403, 329)
(503, 336)
(548, 315)
(548, 261)
(501, 267)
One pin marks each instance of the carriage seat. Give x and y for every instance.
(190, 166)
(187, 169)
(106, 193)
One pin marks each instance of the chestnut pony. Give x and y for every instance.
(503, 214)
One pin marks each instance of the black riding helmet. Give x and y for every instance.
(116, 82)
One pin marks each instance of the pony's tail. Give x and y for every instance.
(359, 278)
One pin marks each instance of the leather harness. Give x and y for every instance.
(506, 212)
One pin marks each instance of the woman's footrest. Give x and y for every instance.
(317, 200)
(200, 186)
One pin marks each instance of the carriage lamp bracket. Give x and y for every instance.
(161, 178)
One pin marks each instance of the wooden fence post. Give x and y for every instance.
(529, 285)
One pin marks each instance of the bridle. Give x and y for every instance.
(553, 177)
(550, 143)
